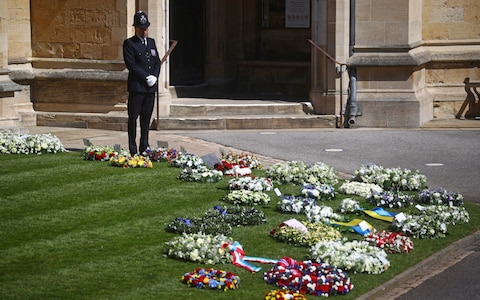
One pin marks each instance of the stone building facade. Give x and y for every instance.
(411, 58)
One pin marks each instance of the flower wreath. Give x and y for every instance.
(391, 242)
(246, 197)
(308, 277)
(211, 278)
(127, 161)
(283, 295)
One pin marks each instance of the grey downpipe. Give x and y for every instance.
(351, 107)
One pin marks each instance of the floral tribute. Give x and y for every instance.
(293, 204)
(202, 173)
(431, 222)
(391, 242)
(199, 224)
(246, 197)
(349, 205)
(391, 178)
(315, 233)
(199, 247)
(283, 295)
(211, 279)
(322, 173)
(218, 220)
(362, 189)
(358, 256)
(258, 184)
(232, 163)
(236, 215)
(12, 143)
(321, 213)
(294, 172)
(391, 199)
(297, 172)
(100, 153)
(307, 277)
(440, 196)
(318, 191)
(128, 162)
(187, 160)
(162, 154)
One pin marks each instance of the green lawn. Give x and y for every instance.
(71, 228)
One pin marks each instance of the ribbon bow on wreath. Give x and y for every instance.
(242, 261)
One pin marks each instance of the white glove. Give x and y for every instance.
(151, 80)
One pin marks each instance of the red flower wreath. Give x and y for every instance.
(308, 277)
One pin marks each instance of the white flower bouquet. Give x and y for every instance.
(318, 191)
(11, 143)
(391, 178)
(246, 197)
(199, 247)
(362, 189)
(200, 174)
(258, 184)
(357, 256)
(349, 205)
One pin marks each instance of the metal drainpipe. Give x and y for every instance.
(351, 105)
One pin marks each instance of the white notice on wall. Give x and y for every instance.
(297, 13)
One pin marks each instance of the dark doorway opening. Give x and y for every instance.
(187, 26)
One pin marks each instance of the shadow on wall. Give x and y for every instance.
(472, 101)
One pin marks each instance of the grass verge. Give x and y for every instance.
(80, 229)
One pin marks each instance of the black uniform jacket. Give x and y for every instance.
(141, 61)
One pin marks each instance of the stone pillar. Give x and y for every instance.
(330, 32)
(158, 14)
(9, 116)
(391, 79)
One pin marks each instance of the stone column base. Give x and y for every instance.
(394, 109)
(324, 104)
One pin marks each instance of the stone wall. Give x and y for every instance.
(451, 19)
(85, 29)
(452, 28)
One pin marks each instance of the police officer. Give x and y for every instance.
(143, 63)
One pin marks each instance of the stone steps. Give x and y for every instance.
(204, 114)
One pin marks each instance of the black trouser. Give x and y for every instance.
(139, 105)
